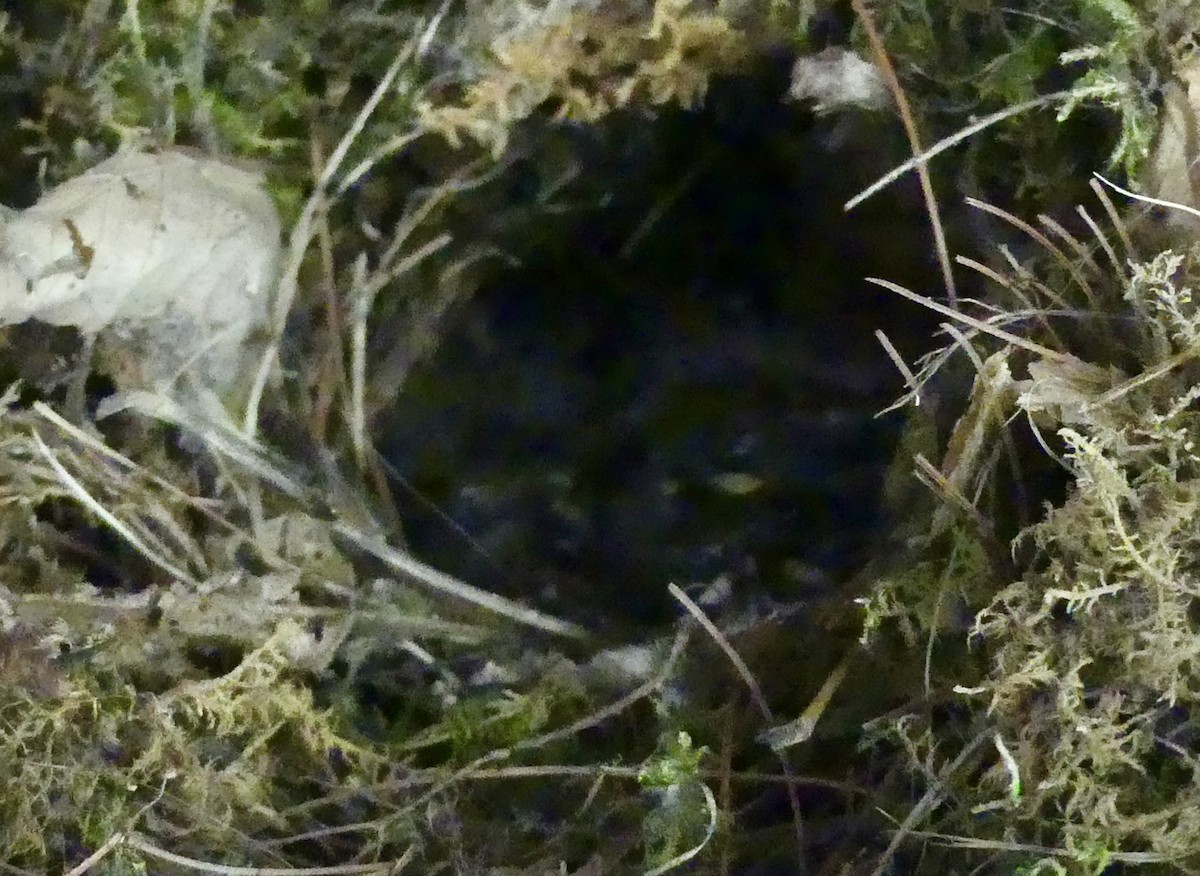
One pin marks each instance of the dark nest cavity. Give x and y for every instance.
(673, 375)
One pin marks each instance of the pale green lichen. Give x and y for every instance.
(1086, 664)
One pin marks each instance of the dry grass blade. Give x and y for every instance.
(724, 644)
(926, 805)
(993, 388)
(118, 526)
(1081, 252)
(759, 700)
(334, 379)
(1023, 275)
(802, 728)
(1043, 241)
(1147, 199)
(304, 230)
(910, 379)
(1145, 377)
(884, 62)
(1045, 445)
(1115, 217)
(149, 849)
(415, 570)
(977, 324)
(952, 141)
(1102, 239)
(1015, 290)
(966, 842)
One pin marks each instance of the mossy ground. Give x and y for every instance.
(216, 660)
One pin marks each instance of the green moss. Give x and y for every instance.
(975, 58)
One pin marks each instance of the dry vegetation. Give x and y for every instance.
(216, 652)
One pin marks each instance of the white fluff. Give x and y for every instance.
(835, 79)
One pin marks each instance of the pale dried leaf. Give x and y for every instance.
(172, 253)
